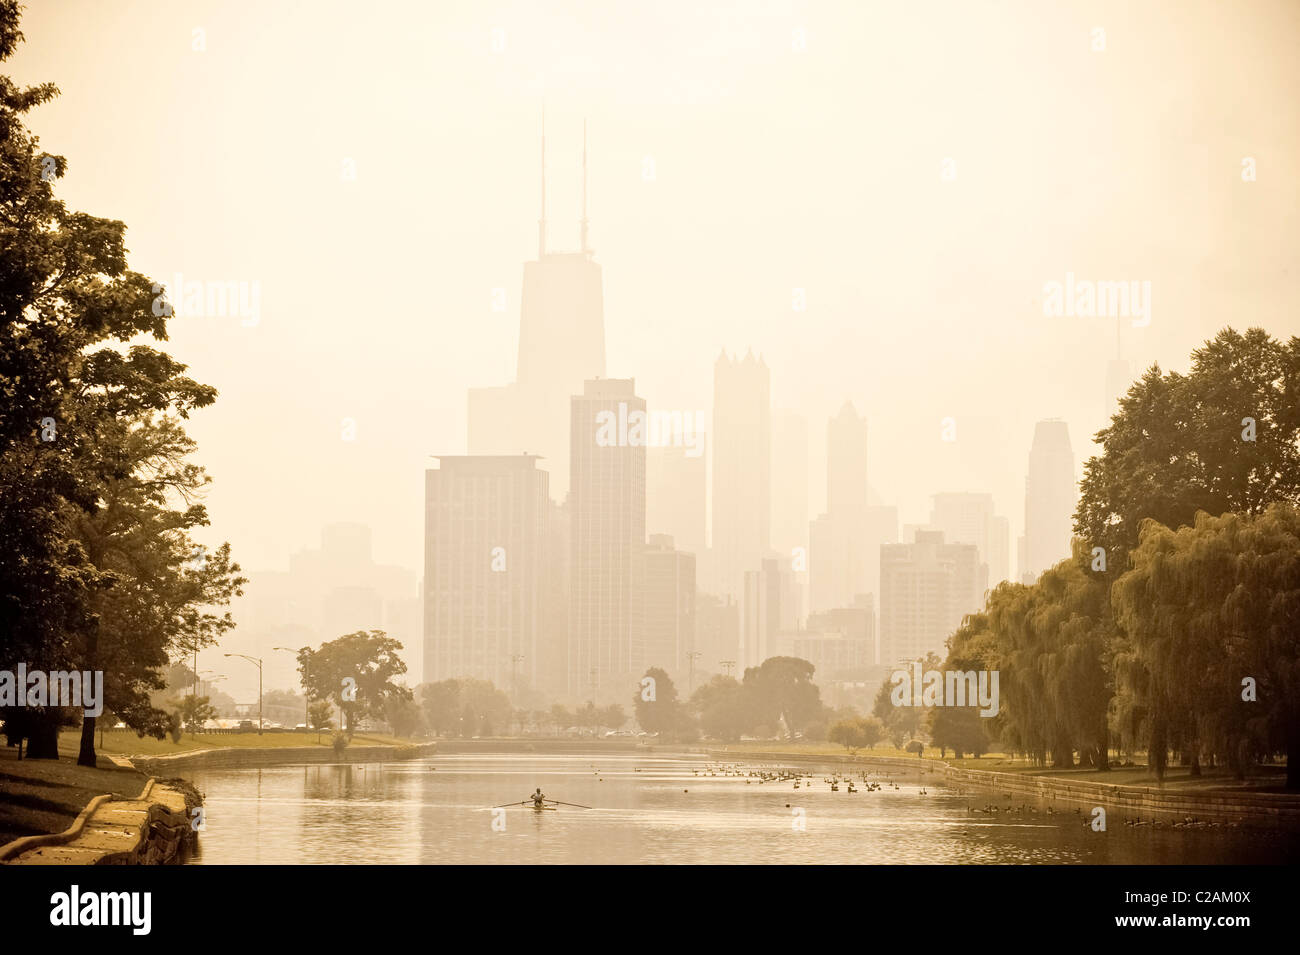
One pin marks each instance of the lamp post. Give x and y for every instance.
(692, 655)
(258, 662)
(306, 691)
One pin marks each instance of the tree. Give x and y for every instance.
(660, 714)
(320, 715)
(465, 707)
(96, 495)
(357, 671)
(725, 708)
(404, 716)
(194, 711)
(613, 716)
(856, 733)
(441, 704)
(782, 689)
(849, 734)
(560, 717)
(1180, 444)
(1211, 616)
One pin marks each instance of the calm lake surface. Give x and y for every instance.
(438, 810)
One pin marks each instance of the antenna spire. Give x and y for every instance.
(584, 187)
(541, 223)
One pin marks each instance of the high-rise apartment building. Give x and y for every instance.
(669, 586)
(926, 588)
(485, 557)
(607, 464)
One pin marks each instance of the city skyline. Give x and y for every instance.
(907, 306)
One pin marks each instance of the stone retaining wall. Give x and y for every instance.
(238, 758)
(150, 830)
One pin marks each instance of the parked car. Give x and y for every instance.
(247, 726)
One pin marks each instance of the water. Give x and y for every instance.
(656, 810)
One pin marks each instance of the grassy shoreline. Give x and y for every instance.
(1266, 778)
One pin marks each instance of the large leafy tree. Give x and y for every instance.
(96, 500)
(724, 707)
(783, 688)
(662, 714)
(1177, 445)
(358, 672)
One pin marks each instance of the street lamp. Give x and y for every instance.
(306, 691)
(258, 662)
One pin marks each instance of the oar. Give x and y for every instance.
(509, 804)
(573, 804)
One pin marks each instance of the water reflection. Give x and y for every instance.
(655, 810)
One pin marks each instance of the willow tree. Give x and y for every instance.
(1212, 616)
(1050, 643)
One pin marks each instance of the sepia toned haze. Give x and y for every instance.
(912, 175)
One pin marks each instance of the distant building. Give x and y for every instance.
(485, 556)
(840, 643)
(717, 635)
(789, 482)
(882, 528)
(561, 345)
(966, 518)
(926, 588)
(607, 512)
(669, 606)
(771, 606)
(742, 471)
(1050, 496)
(676, 495)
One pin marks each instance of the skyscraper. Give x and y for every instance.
(839, 538)
(742, 468)
(669, 606)
(561, 345)
(789, 482)
(607, 500)
(926, 588)
(1050, 496)
(485, 554)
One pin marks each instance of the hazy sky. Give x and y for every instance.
(775, 169)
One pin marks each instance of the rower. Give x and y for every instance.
(538, 798)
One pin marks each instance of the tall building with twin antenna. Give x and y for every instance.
(561, 346)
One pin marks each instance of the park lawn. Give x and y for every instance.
(127, 743)
(46, 795)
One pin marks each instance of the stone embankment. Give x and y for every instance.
(152, 829)
(247, 758)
